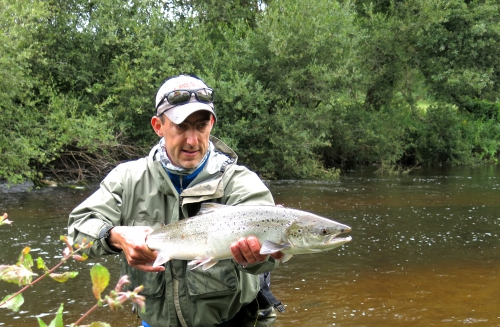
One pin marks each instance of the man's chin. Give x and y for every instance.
(190, 164)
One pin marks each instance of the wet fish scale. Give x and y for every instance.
(207, 237)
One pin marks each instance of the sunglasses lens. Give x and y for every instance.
(183, 96)
(205, 95)
(177, 97)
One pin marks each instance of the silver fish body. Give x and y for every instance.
(206, 238)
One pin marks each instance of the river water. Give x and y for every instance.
(425, 252)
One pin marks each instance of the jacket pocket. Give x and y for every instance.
(154, 283)
(220, 280)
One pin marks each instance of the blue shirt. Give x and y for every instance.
(181, 182)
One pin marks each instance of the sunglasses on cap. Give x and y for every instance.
(178, 97)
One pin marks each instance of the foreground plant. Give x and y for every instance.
(100, 280)
(22, 274)
(4, 220)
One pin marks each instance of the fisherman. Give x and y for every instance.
(187, 167)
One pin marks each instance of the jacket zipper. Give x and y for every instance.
(181, 179)
(177, 303)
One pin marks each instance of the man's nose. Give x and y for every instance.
(191, 137)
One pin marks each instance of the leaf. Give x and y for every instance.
(99, 324)
(14, 304)
(100, 280)
(95, 324)
(57, 321)
(25, 258)
(28, 261)
(82, 257)
(16, 274)
(41, 264)
(4, 220)
(61, 278)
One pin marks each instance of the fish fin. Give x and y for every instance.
(208, 207)
(287, 257)
(209, 264)
(206, 263)
(269, 247)
(196, 262)
(161, 259)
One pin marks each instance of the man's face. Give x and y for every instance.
(186, 143)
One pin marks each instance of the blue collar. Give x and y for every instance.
(182, 182)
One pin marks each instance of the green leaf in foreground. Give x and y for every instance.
(61, 278)
(14, 304)
(100, 280)
(4, 220)
(99, 324)
(41, 264)
(16, 274)
(58, 320)
(25, 258)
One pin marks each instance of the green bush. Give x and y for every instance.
(301, 86)
(357, 136)
(440, 138)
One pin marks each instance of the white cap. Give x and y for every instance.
(178, 113)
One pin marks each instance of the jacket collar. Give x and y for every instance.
(208, 184)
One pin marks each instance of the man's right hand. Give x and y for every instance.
(132, 241)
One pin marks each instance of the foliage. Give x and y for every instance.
(441, 138)
(301, 86)
(4, 220)
(377, 138)
(273, 113)
(448, 136)
(21, 273)
(116, 298)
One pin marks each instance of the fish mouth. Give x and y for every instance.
(334, 239)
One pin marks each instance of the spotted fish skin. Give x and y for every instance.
(206, 238)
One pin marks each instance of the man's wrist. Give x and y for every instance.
(104, 235)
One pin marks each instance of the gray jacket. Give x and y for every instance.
(140, 193)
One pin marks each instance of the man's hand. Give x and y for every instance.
(132, 241)
(247, 251)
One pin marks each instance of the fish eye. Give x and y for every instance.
(324, 231)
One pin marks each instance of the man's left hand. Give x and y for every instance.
(247, 251)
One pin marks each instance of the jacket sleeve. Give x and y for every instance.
(97, 213)
(246, 188)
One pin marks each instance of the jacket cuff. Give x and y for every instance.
(103, 240)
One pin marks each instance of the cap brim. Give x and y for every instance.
(179, 113)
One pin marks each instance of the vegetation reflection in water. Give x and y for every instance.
(424, 252)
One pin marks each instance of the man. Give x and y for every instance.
(186, 168)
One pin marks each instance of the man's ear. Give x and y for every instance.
(156, 124)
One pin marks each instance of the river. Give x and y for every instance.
(425, 252)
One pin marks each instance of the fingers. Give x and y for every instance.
(278, 255)
(247, 251)
(132, 241)
(149, 268)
